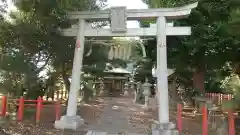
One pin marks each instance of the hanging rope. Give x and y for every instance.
(118, 49)
(142, 47)
(95, 43)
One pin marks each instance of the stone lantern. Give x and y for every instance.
(146, 91)
(132, 84)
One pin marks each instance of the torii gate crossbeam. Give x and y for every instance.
(118, 17)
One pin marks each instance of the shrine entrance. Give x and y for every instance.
(118, 17)
(113, 82)
(114, 85)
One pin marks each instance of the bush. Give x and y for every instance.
(231, 85)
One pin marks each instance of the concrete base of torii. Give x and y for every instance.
(69, 122)
(164, 129)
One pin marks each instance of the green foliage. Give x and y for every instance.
(213, 43)
(167, 3)
(31, 43)
(231, 83)
(234, 23)
(143, 69)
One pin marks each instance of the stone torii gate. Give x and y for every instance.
(118, 17)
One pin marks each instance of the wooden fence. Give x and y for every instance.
(219, 98)
(22, 103)
(204, 114)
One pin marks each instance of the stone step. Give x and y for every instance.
(96, 133)
(106, 133)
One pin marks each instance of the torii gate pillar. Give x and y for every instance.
(118, 17)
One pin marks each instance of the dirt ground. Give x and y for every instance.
(90, 113)
(192, 124)
(28, 126)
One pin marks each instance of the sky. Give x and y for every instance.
(10, 5)
(130, 4)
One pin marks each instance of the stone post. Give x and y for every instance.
(132, 89)
(146, 92)
(155, 89)
(71, 120)
(135, 90)
(153, 100)
(95, 90)
(165, 127)
(101, 88)
(138, 90)
(126, 89)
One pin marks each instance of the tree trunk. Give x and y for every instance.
(66, 81)
(237, 68)
(198, 80)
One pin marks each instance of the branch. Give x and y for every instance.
(46, 62)
(39, 56)
(89, 52)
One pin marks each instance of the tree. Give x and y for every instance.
(3, 7)
(32, 42)
(166, 3)
(209, 47)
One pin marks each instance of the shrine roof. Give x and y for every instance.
(118, 70)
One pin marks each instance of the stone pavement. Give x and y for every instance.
(118, 118)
